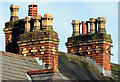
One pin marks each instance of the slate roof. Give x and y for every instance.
(15, 67)
(77, 68)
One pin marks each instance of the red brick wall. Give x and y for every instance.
(102, 58)
(48, 55)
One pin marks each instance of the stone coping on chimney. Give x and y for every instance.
(91, 37)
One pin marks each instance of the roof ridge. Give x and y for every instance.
(17, 56)
(75, 56)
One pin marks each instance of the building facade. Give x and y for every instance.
(32, 36)
(94, 43)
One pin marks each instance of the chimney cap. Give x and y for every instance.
(27, 18)
(33, 5)
(38, 16)
(101, 19)
(76, 21)
(48, 16)
(14, 6)
(91, 19)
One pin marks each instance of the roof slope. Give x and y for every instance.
(77, 68)
(49, 77)
(115, 68)
(15, 67)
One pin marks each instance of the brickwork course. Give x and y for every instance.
(93, 44)
(32, 36)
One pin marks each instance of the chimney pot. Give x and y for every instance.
(76, 27)
(92, 25)
(14, 8)
(101, 24)
(84, 27)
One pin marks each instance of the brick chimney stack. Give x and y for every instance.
(84, 28)
(76, 27)
(101, 24)
(95, 45)
(14, 8)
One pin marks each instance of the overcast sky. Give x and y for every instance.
(64, 13)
